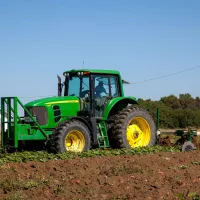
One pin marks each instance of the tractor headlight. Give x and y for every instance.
(66, 74)
(78, 73)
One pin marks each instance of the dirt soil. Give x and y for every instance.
(158, 176)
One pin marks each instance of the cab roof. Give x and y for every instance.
(95, 71)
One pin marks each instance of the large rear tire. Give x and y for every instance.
(133, 127)
(71, 135)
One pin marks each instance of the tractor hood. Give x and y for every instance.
(53, 101)
(53, 110)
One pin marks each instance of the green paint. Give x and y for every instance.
(118, 104)
(69, 106)
(103, 136)
(25, 131)
(188, 135)
(28, 132)
(94, 71)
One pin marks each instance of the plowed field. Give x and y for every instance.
(163, 175)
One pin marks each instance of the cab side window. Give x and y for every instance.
(114, 82)
(101, 86)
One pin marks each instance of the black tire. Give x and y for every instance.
(69, 130)
(120, 131)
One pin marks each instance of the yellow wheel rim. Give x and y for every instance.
(138, 132)
(74, 141)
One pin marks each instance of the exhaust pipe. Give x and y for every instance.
(59, 86)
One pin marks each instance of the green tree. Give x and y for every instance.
(175, 112)
(197, 103)
(171, 101)
(187, 101)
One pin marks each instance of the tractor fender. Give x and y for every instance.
(117, 104)
(82, 120)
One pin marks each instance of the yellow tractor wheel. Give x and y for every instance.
(71, 135)
(138, 132)
(75, 141)
(133, 127)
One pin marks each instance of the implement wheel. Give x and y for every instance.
(188, 146)
(71, 135)
(133, 127)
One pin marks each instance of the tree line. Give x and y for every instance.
(175, 112)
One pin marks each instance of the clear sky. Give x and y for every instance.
(143, 39)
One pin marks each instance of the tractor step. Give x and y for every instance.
(102, 137)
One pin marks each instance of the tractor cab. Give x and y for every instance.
(95, 89)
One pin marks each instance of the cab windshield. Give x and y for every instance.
(77, 86)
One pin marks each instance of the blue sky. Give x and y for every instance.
(143, 39)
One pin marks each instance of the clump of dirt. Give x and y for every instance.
(196, 142)
(153, 176)
(166, 141)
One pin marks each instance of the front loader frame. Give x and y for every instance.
(12, 125)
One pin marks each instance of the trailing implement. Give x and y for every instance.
(90, 111)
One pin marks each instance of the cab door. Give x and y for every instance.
(105, 88)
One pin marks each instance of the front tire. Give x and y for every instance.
(71, 135)
(133, 127)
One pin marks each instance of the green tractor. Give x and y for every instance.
(90, 111)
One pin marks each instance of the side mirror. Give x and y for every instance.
(126, 82)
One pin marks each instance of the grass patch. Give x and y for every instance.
(195, 162)
(10, 185)
(15, 196)
(190, 195)
(43, 156)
